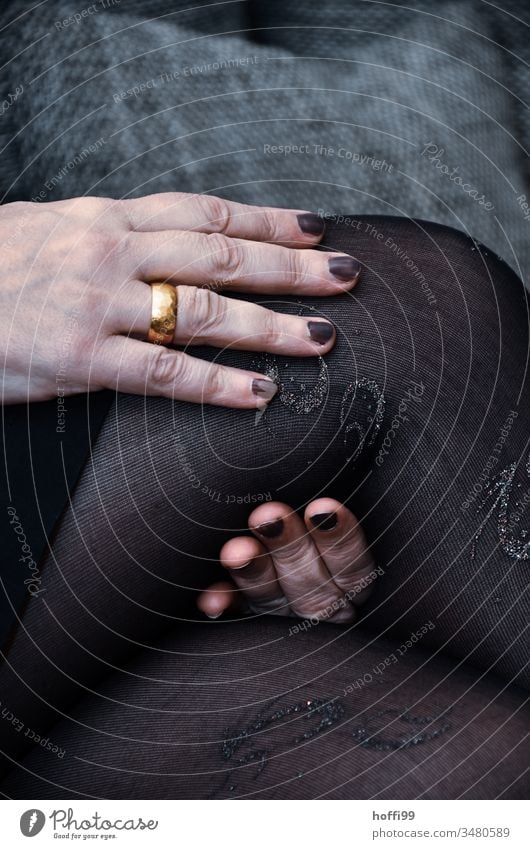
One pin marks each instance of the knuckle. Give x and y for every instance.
(100, 205)
(165, 367)
(96, 304)
(294, 557)
(348, 576)
(269, 226)
(297, 263)
(270, 327)
(97, 209)
(225, 256)
(123, 209)
(100, 246)
(204, 310)
(216, 212)
(347, 546)
(289, 264)
(81, 354)
(217, 384)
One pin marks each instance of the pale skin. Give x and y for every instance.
(317, 566)
(76, 302)
(75, 297)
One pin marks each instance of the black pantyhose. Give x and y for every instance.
(418, 419)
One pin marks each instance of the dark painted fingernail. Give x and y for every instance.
(265, 389)
(271, 529)
(344, 268)
(320, 331)
(325, 521)
(311, 223)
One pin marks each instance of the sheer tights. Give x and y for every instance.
(418, 419)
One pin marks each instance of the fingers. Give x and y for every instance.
(301, 572)
(221, 597)
(206, 318)
(342, 545)
(252, 571)
(209, 214)
(127, 365)
(317, 570)
(237, 265)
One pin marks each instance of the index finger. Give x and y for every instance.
(210, 214)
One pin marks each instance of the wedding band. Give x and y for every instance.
(164, 305)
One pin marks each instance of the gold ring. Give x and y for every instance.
(164, 305)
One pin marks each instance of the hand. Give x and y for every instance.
(76, 307)
(318, 568)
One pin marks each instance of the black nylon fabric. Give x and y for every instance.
(161, 491)
(42, 461)
(237, 711)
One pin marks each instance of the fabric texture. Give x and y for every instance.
(415, 111)
(166, 484)
(228, 711)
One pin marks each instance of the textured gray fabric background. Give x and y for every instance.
(377, 80)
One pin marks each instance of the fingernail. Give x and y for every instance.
(265, 389)
(311, 223)
(214, 615)
(271, 529)
(243, 566)
(325, 521)
(344, 268)
(320, 331)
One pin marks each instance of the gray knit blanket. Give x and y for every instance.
(344, 107)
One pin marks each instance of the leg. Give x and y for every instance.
(430, 362)
(226, 711)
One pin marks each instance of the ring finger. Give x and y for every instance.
(206, 318)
